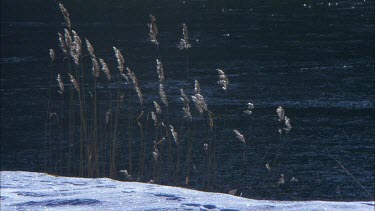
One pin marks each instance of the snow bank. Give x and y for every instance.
(39, 191)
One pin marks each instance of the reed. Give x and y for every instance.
(52, 57)
(66, 15)
(153, 30)
(95, 69)
(185, 45)
(239, 136)
(98, 104)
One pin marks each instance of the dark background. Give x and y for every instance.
(314, 59)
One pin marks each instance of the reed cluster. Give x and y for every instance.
(99, 130)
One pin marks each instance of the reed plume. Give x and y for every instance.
(174, 134)
(132, 76)
(154, 118)
(66, 16)
(233, 192)
(61, 84)
(90, 48)
(268, 167)
(205, 146)
(186, 107)
(74, 82)
(107, 116)
(155, 153)
(248, 112)
(120, 62)
(199, 102)
(197, 88)
(153, 30)
(281, 180)
(52, 54)
(184, 42)
(162, 95)
(68, 40)
(76, 47)
(280, 113)
(157, 107)
(239, 136)
(223, 79)
(126, 174)
(287, 124)
(160, 70)
(198, 99)
(95, 67)
(105, 69)
(62, 43)
(250, 108)
(94, 61)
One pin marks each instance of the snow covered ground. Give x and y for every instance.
(39, 191)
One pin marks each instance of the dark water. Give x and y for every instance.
(316, 59)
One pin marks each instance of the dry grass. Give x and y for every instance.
(101, 149)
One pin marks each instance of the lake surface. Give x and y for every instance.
(313, 58)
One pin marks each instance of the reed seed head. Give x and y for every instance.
(52, 54)
(160, 70)
(174, 134)
(162, 95)
(281, 180)
(205, 146)
(139, 94)
(248, 112)
(90, 48)
(157, 107)
(250, 107)
(223, 79)
(61, 84)
(53, 114)
(239, 136)
(153, 30)
(120, 62)
(199, 102)
(132, 76)
(105, 69)
(184, 42)
(184, 98)
(280, 113)
(66, 16)
(155, 153)
(154, 118)
(62, 43)
(107, 116)
(233, 192)
(68, 39)
(294, 179)
(197, 88)
(287, 124)
(186, 107)
(95, 67)
(126, 174)
(76, 47)
(74, 82)
(268, 167)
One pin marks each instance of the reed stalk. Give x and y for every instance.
(52, 57)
